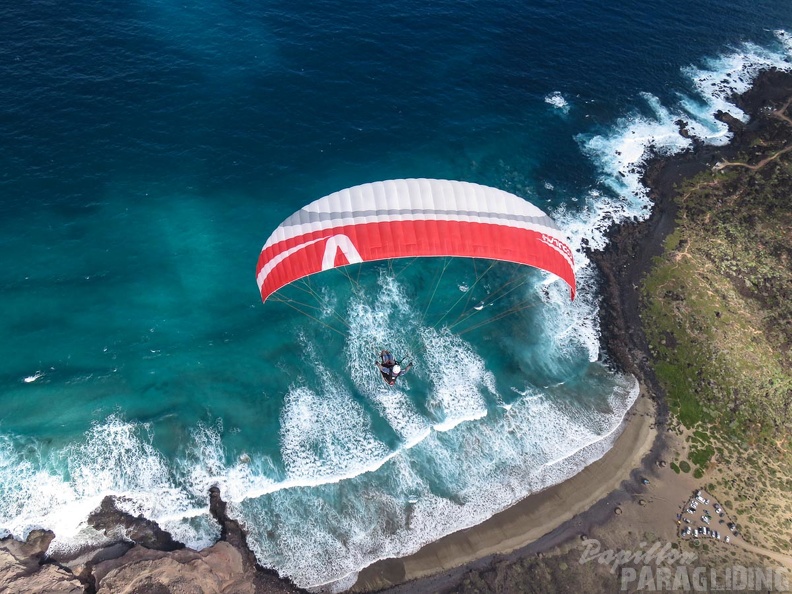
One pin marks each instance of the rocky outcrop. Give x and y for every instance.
(227, 567)
(23, 567)
(144, 560)
(109, 519)
(220, 569)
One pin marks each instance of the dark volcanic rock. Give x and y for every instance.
(230, 530)
(735, 125)
(770, 89)
(139, 530)
(265, 580)
(632, 246)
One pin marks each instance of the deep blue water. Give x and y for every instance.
(147, 151)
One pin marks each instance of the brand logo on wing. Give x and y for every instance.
(336, 243)
(557, 245)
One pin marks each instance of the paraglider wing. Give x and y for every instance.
(405, 218)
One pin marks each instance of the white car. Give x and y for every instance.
(705, 519)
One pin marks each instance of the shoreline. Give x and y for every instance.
(546, 515)
(558, 514)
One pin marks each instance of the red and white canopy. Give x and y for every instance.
(405, 218)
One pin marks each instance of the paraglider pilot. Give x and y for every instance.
(390, 368)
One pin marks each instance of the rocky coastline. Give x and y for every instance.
(632, 245)
(143, 559)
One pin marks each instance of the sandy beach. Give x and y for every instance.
(530, 519)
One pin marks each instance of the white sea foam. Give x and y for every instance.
(731, 74)
(204, 465)
(324, 435)
(452, 479)
(114, 458)
(371, 327)
(458, 376)
(557, 100)
(32, 378)
(786, 41)
(621, 154)
(323, 441)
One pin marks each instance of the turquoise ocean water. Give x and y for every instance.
(149, 148)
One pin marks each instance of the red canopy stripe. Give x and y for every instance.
(303, 255)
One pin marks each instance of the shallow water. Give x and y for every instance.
(148, 150)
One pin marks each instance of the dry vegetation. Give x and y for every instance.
(718, 316)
